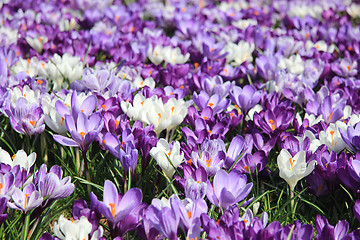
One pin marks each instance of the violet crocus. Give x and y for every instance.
(235, 151)
(83, 132)
(26, 118)
(115, 207)
(7, 184)
(215, 101)
(351, 137)
(245, 98)
(228, 188)
(124, 150)
(52, 185)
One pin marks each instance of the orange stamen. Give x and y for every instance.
(169, 153)
(208, 161)
(26, 199)
(189, 214)
(196, 65)
(190, 161)
(117, 122)
(103, 106)
(32, 122)
(104, 142)
(112, 209)
(210, 104)
(291, 160)
(13, 156)
(82, 134)
(247, 168)
(348, 67)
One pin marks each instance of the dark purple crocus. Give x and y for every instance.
(349, 173)
(83, 132)
(3, 216)
(327, 231)
(228, 188)
(26, 118)
(115, 207)
(245, 98)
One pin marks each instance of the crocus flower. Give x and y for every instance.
(7, 184)
(19, 158)
(52, 185)
(26, 118)
(78, 229)
(351, 137)
(163, 153)
(3, 204)
(293, 168)
(124, 150)
(83, 132)
(27, 199)
(228, 188)
(332, 137)
(325, 230)
(245, 98)
(115, 206)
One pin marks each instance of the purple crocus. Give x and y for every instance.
(245, 98)
(228, 188)
(215, 101)
(235, 151)
(124, 150)
(115, 207)
(26, 118)
(83, 132)
(351, 137)
(52, 185)
(327, 231)
(3, 204)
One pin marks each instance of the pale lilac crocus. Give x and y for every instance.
(83, 132)
(27, 199)
(228, 188)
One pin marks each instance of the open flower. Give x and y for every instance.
(78, 229)
(163, 155)
(27, 199)
(293, 168)
(115, 207)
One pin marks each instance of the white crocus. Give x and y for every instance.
(37, 42)
(293, 168)
(155, 54)
(239, 53)
(244, 23)
(294, 64)
(163, 155)
(158, 116)
(139, 82)
(256, 109)
(174, 55)
(32, 97)
(314, 142)
(74, 230)
(310, 117)
(52, 118)
(332, 137)
(138, 110)
(320, 46)
(61, 68)
(20, 158)
(353, 10)
(29, 66)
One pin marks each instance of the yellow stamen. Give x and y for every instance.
(13, 156)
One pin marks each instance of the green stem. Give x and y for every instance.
(292, 200)
(129, 178)
(25, 229)
(87, 172)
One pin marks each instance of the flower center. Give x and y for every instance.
(32, 122)
(291, 160)
(82, 134)
(272, 124)
(26, 199)
(208, 161)
(189, 214)
(112, 209)
(246, 168)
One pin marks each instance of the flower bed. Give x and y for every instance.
(179, 119)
